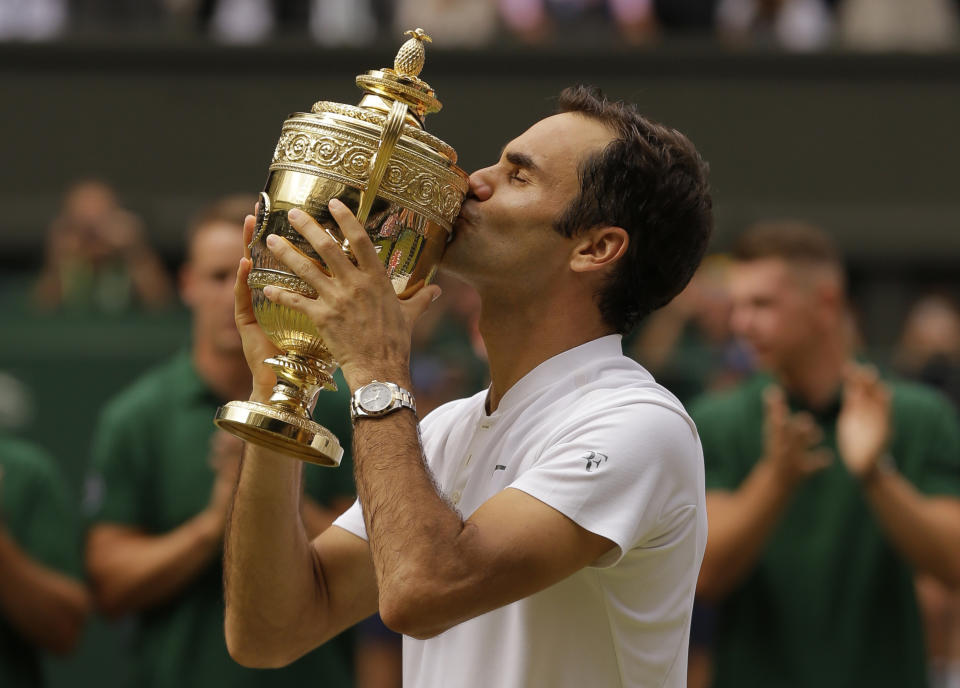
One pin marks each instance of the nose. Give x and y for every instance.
(480, 189)
(740, 320)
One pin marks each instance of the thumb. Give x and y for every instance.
(418, 304)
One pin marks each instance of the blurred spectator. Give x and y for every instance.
(688, 345)
(32, 20)
(448, 359)
(450, 23)
(162, 480)
(929, 349)
(43, 604)
(343, 22)
(827, 486)
(800, 25)
(920, 25)
(98, 258)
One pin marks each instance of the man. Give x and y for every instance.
(43, 603)
(552, 534)
(827, 486)
(162, 482)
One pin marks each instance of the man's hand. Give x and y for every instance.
(225, 452)
(863, 427)
(790, 440)
(364, 325)
(256, 347)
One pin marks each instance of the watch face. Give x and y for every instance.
(375, 397)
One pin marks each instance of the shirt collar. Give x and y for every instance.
(557, 368)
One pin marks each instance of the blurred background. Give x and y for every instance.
(121, 119)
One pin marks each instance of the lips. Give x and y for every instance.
(465, 214)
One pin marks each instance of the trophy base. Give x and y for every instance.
(280, 430)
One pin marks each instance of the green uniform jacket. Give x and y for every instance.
(36, 509)
(830, 603)
(151, 470)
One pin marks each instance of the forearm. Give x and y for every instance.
(149, 277)
(926, 530)
(739, 524)
(132, 571)
(414, 533)
(45, 606)
(272, 580)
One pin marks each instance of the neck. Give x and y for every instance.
(226, 373)
(816, 376)
(519, 338)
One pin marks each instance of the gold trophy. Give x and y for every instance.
(405, 188)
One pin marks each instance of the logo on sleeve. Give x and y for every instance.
(594, 459)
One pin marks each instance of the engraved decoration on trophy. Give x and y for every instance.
(405, 188)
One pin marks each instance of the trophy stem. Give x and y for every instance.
(285, 422)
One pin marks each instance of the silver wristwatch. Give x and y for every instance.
(377, 399)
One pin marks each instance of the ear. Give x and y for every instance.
(599, 248)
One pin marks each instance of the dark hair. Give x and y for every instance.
(791, 240)
(652, 182)
(226, 210)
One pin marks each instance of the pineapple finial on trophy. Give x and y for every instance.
(412, 54)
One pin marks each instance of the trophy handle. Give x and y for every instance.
(391, 133)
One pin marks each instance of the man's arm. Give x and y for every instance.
(742, 520)
(285, 594)
(924, 529)
(132, 570)
(47, 607)
(436, 570)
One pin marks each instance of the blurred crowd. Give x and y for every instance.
(798, 25)
(148, 543)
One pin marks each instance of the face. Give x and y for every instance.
(207, 285)
(777, 312)
(505, 228)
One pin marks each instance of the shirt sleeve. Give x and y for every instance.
(45, 524)
(713, 418)
(116, 486)
(939, 472)
(633, 475)
(351, 521)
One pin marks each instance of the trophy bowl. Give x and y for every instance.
(405, 188)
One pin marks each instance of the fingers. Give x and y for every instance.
(416, 305)
(360, 244)
(322, 241)
(304, 266)
(298, 302)
(249, 225)
(242, 303)
(816, 460)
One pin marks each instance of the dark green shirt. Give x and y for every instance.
(36, 510)
(151, 470)
(830, 602)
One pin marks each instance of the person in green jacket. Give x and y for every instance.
(828, 486)
(43, 601)
(162, 478)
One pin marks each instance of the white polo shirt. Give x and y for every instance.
(590, 433)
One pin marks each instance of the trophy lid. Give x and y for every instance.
(403, 82)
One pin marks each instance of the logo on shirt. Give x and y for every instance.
(593, 459)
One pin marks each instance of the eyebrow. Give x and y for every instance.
(523, 160)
